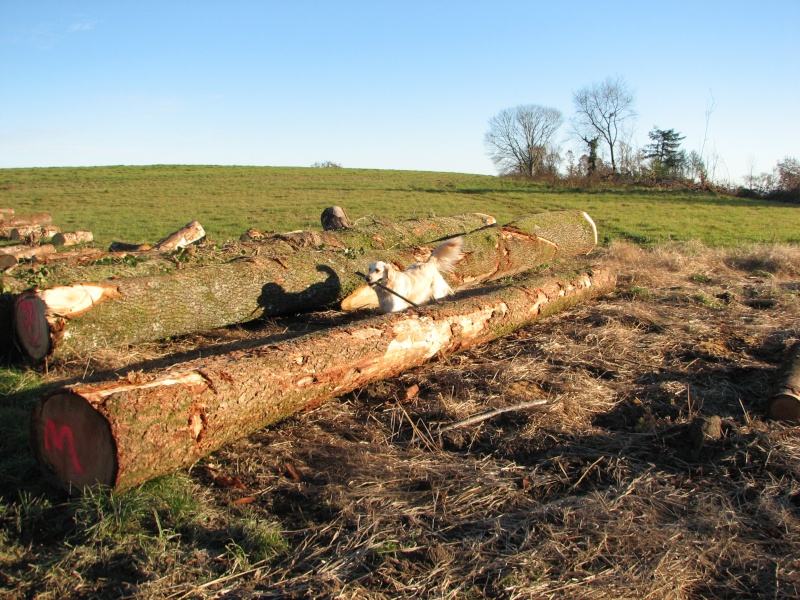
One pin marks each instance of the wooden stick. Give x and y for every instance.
(479, 418)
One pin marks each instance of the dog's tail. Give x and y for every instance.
(447, 254)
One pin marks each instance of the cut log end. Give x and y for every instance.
(784, 404)
(32, 328)
(334, 218)
(784, 407)
(72, 442)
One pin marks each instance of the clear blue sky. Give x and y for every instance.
(382, 84)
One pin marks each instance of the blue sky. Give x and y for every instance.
(382, 84)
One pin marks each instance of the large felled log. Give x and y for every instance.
(122, 433)
(784, 404)
(293, 273)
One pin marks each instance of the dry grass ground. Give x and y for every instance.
(650, 472)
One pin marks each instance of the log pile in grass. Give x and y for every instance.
(122, 433)
(33, 234)
(11, 222)
(293, 273)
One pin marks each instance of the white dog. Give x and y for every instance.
(420, 282)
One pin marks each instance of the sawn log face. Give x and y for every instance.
(160, 422)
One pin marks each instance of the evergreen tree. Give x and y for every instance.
(665, 158)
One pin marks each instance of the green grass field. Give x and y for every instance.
(144, 204)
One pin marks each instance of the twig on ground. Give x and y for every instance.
(492, 413)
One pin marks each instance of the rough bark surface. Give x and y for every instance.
(784, 404)
(122, 433)
(294, 272)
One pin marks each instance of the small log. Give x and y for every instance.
(8, 262)
(188, 234)
(252, 235)
(32, 234)
(14, 249)
(122, 433)
(70, 238)
(126, 247)
(784, 404)
(334, 218)
(294, 273)
(80, 256)
(24, 252)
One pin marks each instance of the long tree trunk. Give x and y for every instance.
(292, 273)
(122, 433)
(784, 404)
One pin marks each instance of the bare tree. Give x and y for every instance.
(520, 139)
(604, 109)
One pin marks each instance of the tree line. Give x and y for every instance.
(521, 141)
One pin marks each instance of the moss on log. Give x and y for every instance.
(122, 433)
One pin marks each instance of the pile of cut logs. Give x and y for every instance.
(36, 237)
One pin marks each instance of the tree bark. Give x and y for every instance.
(122, 433)
(70, 238)
(784, 404)
(295, 272)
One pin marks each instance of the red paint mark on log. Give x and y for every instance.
(61, 439)
(29, 318)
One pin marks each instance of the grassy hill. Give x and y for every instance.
(143, 204)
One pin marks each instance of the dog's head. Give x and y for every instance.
(379, 272)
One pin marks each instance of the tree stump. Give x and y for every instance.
(334, 218)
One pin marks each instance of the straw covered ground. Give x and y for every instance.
(649, 471)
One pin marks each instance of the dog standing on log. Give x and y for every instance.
(420, 282)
